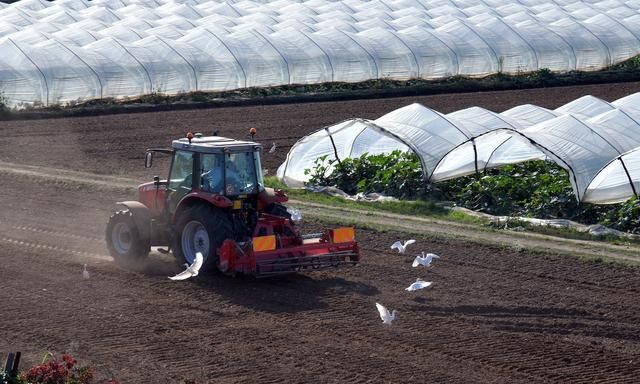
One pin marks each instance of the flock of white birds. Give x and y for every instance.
(424, 260)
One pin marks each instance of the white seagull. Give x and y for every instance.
(273, 148)
(419, 284)
(424, 260)
(85, 273)
(400, 246)
(295, 214)
(191, 270)
(386, 317)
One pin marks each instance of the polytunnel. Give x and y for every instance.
(529, 132)
(76, 37)
(163, 63)
(260, 44)
(410, 127)
(492, 146)
(582, 136)
(316, 63)
(475, 56)
(527, 115)
(433, 53)
(571, 143)
(617, 181)
(220, 70)
(119, 71)
(585, 107)
(262, 64)
(330, 142)
(628, 102)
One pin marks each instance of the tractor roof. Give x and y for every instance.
(215, 144)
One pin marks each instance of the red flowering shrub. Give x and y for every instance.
(52, 371)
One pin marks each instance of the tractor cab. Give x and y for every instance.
(221, 170)
(216, 164)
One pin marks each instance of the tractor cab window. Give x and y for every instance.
(212, 172)
(258, 168)
(240, 173)
(181, 171)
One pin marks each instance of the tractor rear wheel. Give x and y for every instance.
(123, 238)
(201, 229)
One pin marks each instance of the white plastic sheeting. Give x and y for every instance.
(617, 181)
(351, 138)
(494, 145)
(597, 142)
(63, 51)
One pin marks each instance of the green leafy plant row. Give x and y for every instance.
(538, 189)
(397, 174)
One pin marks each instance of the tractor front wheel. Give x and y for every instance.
(201, 229)
(123, 238)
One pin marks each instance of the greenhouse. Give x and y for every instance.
(595, 141)
(67, 51)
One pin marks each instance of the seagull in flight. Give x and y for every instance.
(402, 247)
(419, 284)
(424, 260)
(273, 148)
(85, 273)
(191, 270)
(386, 317)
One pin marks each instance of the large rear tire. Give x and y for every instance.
(123, 238)
(202, 229)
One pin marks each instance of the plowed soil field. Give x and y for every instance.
(494, 314)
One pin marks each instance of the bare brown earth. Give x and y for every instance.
(495, 314)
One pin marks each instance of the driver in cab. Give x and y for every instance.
(213, 172)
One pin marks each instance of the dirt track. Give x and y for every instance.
(493, 315)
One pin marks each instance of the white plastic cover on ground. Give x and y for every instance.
(582, 136)
(256, 43)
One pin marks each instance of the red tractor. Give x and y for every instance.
(214, 202)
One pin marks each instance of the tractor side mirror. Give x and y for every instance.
(148, 159)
